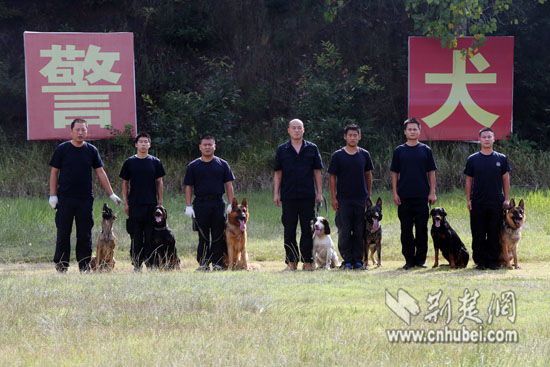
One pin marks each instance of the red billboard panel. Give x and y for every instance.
(79, 75)
(455, 96)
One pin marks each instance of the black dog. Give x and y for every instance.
(372, 238)
(164, 254)
(446, 240)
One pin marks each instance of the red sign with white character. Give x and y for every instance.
(79, 75)
(454, 96)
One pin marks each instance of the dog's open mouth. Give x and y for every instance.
(375, 224)
(437, 222)
(242, 225)
(158, 218)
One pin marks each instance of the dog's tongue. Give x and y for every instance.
(317, 231)
(437, 223)
(242, 225)
(375, 224)
(158, 219)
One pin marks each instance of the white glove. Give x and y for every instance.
(228, 208)
(53, 201)
(189, 211)
(115, 198)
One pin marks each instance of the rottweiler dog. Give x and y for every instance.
(106, 242)
(446, 240)
(372, 237)
(235, 236)
(164, 254)
(510, 233)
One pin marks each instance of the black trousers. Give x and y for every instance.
(140, 227)
(210, 221)
(350, 220)
(485, 224)
(81, 210)
(293, 210)
(414, 213)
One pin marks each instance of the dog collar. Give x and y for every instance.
(159, 229)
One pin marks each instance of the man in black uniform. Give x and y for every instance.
(71, 194)
(143, 174)
(297, 168)
(413, 182)
(350, 183)
(208, 177)
(487, 176)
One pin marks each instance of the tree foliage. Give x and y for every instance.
(448, 20)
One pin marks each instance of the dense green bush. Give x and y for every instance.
(181, 117)
(331, 96)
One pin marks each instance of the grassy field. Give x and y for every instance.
(265, 317)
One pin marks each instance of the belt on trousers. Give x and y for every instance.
(214, 197)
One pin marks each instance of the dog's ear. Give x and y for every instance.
(443, 212)
(369, 203)
(432, 212)
(512, 203)
(164, 212)
(311, 223)
(521, 204)
(327, 227)
(379, 202)
(244, 202)
(234, 203)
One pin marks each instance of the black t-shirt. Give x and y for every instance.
(487, 172)
(208, 178)
(142, 174)
(413, 164)
(297, 181)
(75, 169)
(351, 183)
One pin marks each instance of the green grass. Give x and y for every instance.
(27, 229)
(265, 317)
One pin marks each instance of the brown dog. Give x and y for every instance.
(235, 236)
(510, 233)
(104, 259)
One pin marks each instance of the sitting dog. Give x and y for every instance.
(372, 236)
(446, 240)
(324, 254)
(235, 236)
(104, 259)
(164, 254)
(510, 233)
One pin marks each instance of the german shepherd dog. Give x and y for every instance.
(104, 259)
(235, 236)
(324, 253)
(510, 233)
(446, 240)
(164, 255)
(372, 237)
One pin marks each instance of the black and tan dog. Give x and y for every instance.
(235, 236)
(164, 255)
(105, 252)
(372, 238)
(510, 233)
(446, 239)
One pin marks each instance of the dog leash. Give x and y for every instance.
(319, 204)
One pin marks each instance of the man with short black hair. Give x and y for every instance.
(208, 177)
(142, 190)
(487, 176)
(350, 184)
(71, 194)
(413, 183)
(297, 170)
